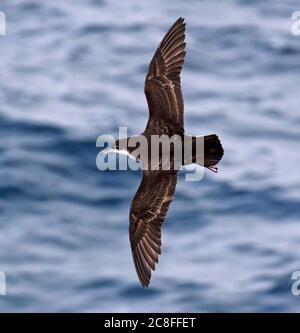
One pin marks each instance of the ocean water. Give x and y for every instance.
(73, 70)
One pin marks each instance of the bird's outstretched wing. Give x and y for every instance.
(162, 84)
(148, 210)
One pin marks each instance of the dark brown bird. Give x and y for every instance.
(155, 193)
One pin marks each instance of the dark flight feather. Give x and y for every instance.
(162, 84)
(147, 213)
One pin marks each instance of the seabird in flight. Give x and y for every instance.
(155, 193)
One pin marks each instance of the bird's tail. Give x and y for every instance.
(213, 151)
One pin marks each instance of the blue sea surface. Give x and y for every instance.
(73, 70)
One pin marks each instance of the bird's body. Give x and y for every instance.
(155, 193)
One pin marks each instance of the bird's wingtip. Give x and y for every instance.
(145, 284)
